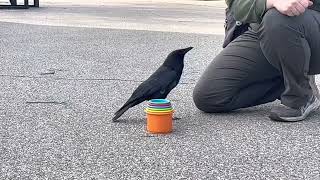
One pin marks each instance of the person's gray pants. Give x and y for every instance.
(260, 67)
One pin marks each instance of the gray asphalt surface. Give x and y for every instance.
(163, 17)
(59, 87)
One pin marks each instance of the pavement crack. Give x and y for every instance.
(48, 73)
(20, 76)
(46, 102)
(71, 79)
(102, 79)
(51, 71)
(79, 79)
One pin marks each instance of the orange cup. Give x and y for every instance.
(159, 123)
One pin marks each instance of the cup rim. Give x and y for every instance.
(160, 113)
(159, 106)
(159, 101)
(164, 109)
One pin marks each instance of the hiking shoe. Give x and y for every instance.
(285, 113)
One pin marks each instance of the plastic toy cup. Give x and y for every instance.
(159, 116)
(159, 123)
(159, 101)
(157, 109)
(159, 105)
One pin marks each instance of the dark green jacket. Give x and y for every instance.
(252, 11)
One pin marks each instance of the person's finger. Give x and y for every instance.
(304, 3)
(300, 8)
(289, 13)
(310, 3)
(294, 11)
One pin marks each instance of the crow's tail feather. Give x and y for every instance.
(122, 110)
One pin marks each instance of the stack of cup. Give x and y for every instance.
(159, 116)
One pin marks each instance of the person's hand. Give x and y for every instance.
(290, 7)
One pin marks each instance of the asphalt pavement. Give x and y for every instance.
(134, 15)
(59, 87)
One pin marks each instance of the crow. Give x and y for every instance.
(159, 84)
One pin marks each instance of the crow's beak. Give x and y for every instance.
(187, 49)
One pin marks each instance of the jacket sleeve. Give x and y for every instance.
(247, 11)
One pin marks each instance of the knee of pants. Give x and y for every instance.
(210, 102)
(274, 23)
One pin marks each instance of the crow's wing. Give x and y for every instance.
(156, 83)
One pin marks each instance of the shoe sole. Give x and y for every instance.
(314, 106)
